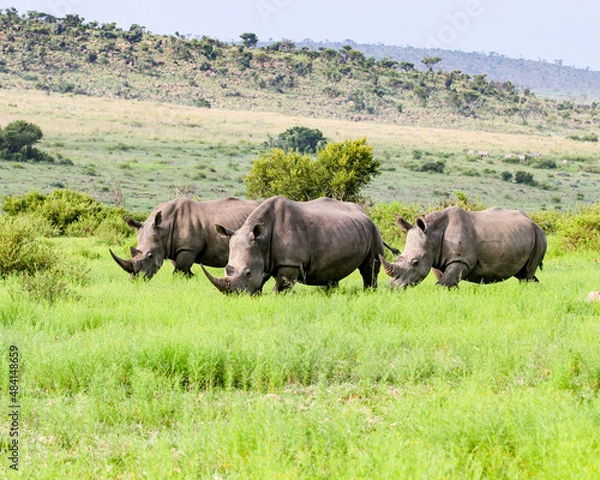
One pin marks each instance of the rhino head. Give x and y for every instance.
(415, 262)
(149, 255)
(246, 269)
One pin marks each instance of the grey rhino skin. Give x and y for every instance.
(483, 247)
(184, 232)
(315, 243)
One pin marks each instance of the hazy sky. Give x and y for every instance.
(533, 29)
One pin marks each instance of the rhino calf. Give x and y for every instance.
(483, 247)
(184, 232)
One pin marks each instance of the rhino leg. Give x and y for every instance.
(369, 271)
(183, 263)
(286, 278)
(453, 274)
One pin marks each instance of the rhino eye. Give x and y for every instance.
(150, 254)
(246, 272)
(414, 262)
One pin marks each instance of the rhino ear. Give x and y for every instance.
(157, 219)
(422, 224)
(258, 230)
(226, 232)
(403, 224)
(133, 223)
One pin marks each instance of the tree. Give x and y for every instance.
(340, 171)
(345, 168)
(19, 134)
(289, 174)
(135, 34)
(429, 62)
(249, 39)
(303, 139)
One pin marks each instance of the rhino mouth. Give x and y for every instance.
(231, 285)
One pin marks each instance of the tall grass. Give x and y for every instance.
(169, 378)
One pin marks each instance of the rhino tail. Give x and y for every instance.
(395, 251)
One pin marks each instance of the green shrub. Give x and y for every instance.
(545, 163)
(525, 178)
(581, 230)
(303, 139)
(17, 142)
(428, 166)
(339, 171)
(289, 174)
(55, 282)
(506, 176)
(41, 269)
(589, 137)
(69, 212)
(21, 251)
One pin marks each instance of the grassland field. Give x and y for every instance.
(150, 153)
(170, 379)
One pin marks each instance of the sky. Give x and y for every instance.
(566, 32)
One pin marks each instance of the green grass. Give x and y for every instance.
(171, 379)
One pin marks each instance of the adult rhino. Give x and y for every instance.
(315, 243)
(482, 247)
(183, 231)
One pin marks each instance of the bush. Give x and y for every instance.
(69, 212)
(339, 171)
(303, 139)
(549, 164)
(289, 174)
(55, 282)
(19, 134)
(21, 251)
(590, 137)
(430, 166)
(17, 140)
(525, 178)
(345, 168)
(40, 268)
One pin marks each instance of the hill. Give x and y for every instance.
(135, 118)
(553, 80)
(68, 55)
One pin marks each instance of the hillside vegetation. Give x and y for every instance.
(140, 153)
(544, 78)
(68, 55)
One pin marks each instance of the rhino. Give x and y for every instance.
(183, 231)
(315, 243)
(483, 247)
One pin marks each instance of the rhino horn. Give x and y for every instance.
(126, 265)
(389, 268)
(222, 284)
